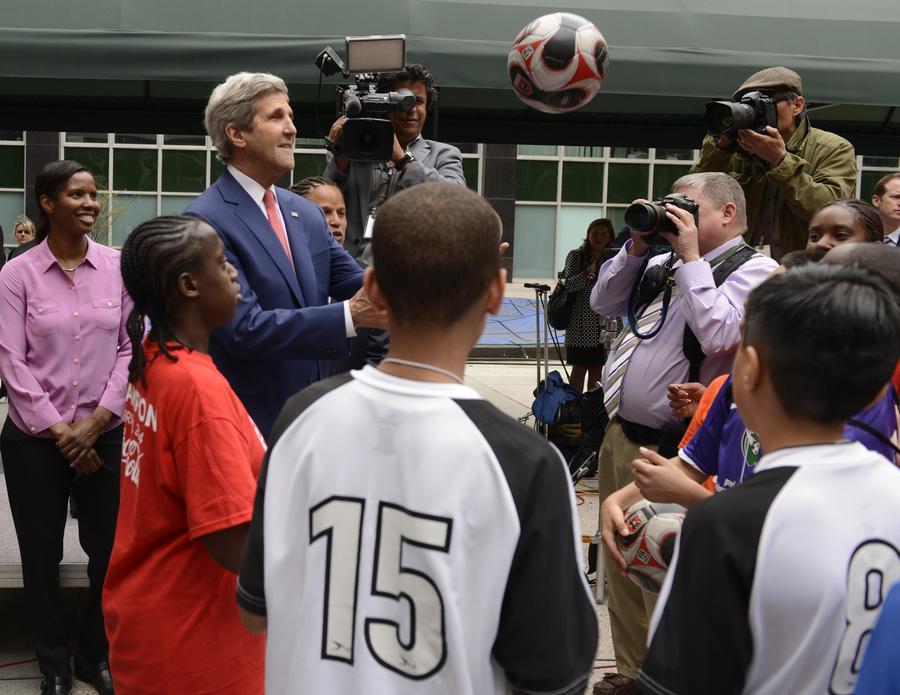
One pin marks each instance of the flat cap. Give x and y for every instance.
(771, 79)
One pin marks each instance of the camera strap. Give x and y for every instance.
(663, 281)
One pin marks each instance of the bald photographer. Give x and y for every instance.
(413, 159)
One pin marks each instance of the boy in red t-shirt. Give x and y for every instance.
(190, 461)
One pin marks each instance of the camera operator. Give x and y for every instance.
(706, 245)
(414, 159)
(787, 172)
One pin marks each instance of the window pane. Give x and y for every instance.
(466, 147)
(184, 140)
(685, 155)
(535, 241)
(306, 143)
(627, 182)
(582, 182)
(664, 175)
(174, 204)
(94, 158)
(867, 181)
(135, 139)
(134, 170)
(470, 169)
(11, 206)
(629, 152)
(184, 170)
(573, 224)
(617, 215)
(216, 167)
(583, 151)
(308, 165)
(543, 150)
(12, 168)
(128, 211)
(14, 135)
(87, 137)
(535, 180)
(880, 162)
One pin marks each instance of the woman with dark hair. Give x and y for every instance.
(845, 221)
(584, 351)
(64, 355)
(191, 458)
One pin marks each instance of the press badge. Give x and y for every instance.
(370, 224)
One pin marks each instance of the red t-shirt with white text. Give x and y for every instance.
(191, 457)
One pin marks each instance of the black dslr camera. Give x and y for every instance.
(651, 217)
(368, 136)
(755, 111)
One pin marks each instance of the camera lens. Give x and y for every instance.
(727, 117)
(643, 217)
(367, 142)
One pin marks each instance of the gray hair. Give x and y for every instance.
(234, 101)
(719, 189)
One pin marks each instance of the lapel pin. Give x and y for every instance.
(295, 214)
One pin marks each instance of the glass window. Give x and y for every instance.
(867, 181)
(14, 135)
(627, 182)
(470, 169)
(466, 147)
(134, 170)
(583, 151)
(87, 137)
(684, 155)
(174, 204)
(582, 182)
(664, 175)
(184, 140)
(573, 224)
(96, 159)
(184, 170)
(879, 162)
(540, 150)
(127, 212)
(135, 139)
(308, 165)
(12, 167)
(535, 180)
(629, 152)
(617, 215)
(216, 167)
(535, 241)
(307, 143)
(11, 206)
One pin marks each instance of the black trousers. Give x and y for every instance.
(38, 480)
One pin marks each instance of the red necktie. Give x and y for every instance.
(275, 221)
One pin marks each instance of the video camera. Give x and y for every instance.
(651, 217)
(368, 135)
(754, 110)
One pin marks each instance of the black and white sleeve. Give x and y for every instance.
(251, 592)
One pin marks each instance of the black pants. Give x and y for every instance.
(38, 480)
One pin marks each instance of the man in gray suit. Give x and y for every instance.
(414, 159)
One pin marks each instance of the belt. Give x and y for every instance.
(639, 434)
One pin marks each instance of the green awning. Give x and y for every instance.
(134, 64)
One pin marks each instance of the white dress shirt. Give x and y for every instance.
(893, 238)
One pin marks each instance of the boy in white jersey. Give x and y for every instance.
(773, 588)
(427, 544)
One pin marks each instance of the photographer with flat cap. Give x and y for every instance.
(414, 159)
(787, 172)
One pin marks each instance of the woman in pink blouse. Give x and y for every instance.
(64, 355)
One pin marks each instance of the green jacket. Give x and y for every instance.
(819, 167)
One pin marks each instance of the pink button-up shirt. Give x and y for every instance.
(64, 349)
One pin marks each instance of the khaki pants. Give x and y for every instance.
(630, 607)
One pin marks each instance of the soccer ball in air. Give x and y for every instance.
(649, 546)
(558, 62)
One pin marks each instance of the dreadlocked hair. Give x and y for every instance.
(153, 256)
(304, 186)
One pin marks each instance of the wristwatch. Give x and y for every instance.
(403, 162)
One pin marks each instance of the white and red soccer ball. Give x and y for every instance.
(558, 62)
(648, 548)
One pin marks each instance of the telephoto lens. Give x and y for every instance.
(727, 117)
(646, 217)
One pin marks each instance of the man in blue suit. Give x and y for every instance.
(288, 264)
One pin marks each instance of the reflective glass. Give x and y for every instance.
(664, 175)
(134, 170)
(308, 165)
(184, 170)
(627, 182)
(12, 167)
(582, 182)
(540, 150)
(573, 224)
(535, 241)
(96, 159)
(536, 180)
(128, 211)
(470, 169)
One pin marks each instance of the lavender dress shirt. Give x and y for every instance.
(713, 313)
(64, 349)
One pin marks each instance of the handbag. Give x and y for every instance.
(559, 306)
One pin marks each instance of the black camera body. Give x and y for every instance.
(368, 135)
(754, 111)
(651, 217)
